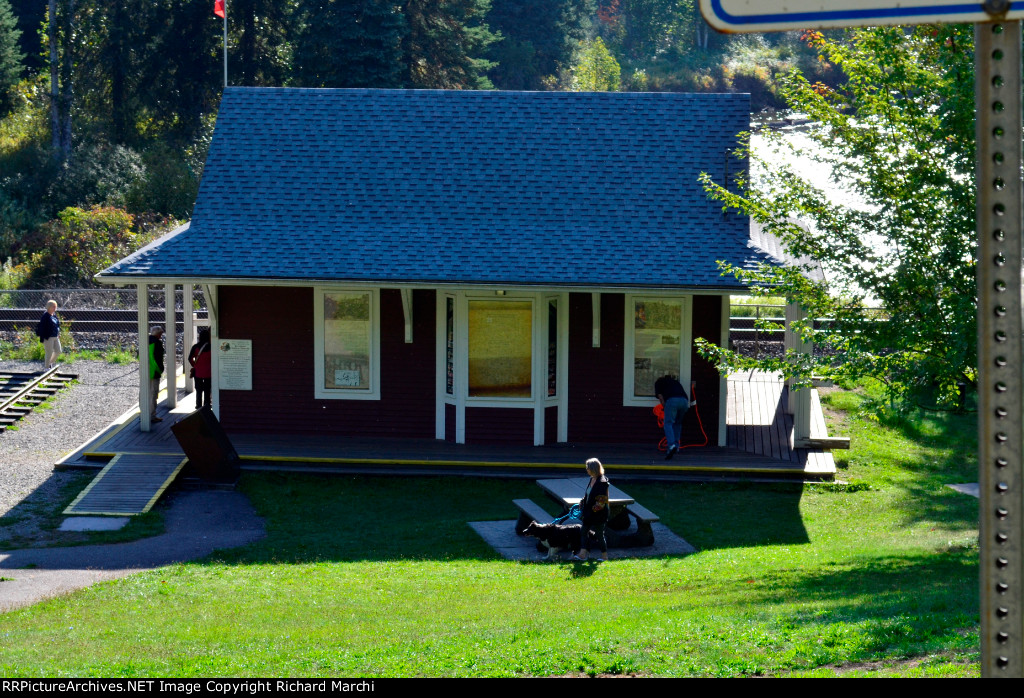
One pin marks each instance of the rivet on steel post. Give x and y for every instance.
(1000, 218)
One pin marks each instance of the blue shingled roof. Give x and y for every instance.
(426, 186)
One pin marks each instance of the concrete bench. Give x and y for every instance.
(529, 511)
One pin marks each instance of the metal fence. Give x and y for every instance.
(101, 318)
(97, 318)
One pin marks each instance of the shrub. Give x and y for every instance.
(78, 244)
(169, 185)
(97, 174)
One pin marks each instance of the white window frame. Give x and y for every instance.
(322, 393)
(629, 399)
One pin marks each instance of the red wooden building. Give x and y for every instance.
(477, 267)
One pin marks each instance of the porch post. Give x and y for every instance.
(142, 293)
(563, 368)
(212, 311)
(800, 400)
(723, 381)
(189, 333)
(538, 371)
(170, 356)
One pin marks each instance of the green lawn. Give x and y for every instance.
(377, 576)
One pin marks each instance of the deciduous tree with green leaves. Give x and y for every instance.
(597, 69)
(899, 136)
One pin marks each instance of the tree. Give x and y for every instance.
(179, 72)
(10, 55)
(537, 39)
(261, 30)
(30, 14)
(898, 134)
(59, 21)
(111, 41)
(597, 69)
(445, 44)
(80, 243)
(350, 43)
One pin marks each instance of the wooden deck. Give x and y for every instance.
(757, 423)
(759, 446)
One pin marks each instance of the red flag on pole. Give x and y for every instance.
(218, 8)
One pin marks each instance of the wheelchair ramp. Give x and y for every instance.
(129, 484)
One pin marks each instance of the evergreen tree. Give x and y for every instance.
(110, 42)
(350, 43)
(180, 75)
(30, 15)
(446, 43)
(537, 39)
(10, 55)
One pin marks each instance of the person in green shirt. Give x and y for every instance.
(156, 369)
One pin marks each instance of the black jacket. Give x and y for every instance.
(49, 326)
(594, 506)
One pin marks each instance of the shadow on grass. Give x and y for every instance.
(34, 521)
(727, 515)
(908, 605)
(918, 453)
(321, 518)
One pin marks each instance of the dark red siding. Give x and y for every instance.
(279, 321)
(596, 412)
(499, 425)
(550, 425)
(707, 323)
(449, 422)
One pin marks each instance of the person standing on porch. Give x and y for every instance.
(673, 399)
(199, 358)
(156, 369)
(594, 512)
(48, 331)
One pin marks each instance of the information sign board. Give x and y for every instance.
(234, 364)
(736, 16)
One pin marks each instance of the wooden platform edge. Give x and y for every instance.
(163, 487)
(824, 443)
(90, 448)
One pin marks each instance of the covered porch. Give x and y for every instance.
(759, 446)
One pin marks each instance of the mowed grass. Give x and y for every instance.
(378, 576)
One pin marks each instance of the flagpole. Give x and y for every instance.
(225, 44)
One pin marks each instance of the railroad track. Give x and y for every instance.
(22, 391)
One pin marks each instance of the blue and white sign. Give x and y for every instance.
(735, 16)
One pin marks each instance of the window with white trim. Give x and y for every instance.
(657, 343)
(347, 338)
